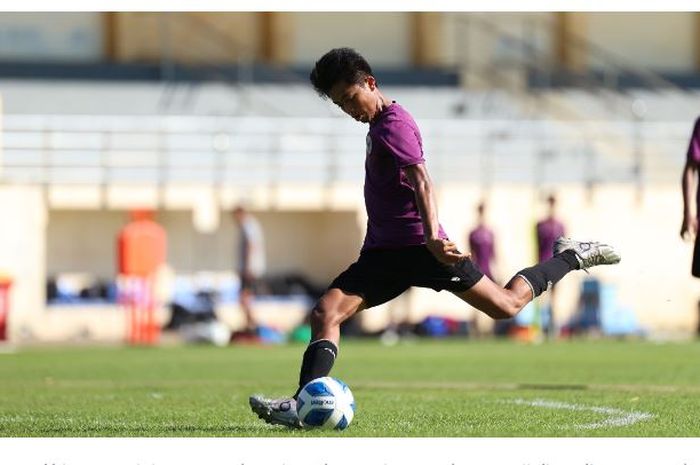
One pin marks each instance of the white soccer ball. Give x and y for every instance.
(326, 403)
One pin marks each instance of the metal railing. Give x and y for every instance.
(223, 152)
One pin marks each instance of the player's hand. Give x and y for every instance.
(689, 228)
(445, 251)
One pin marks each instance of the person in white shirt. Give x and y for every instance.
(251, 261)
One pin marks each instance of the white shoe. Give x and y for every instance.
(588, 254)
(276, 411)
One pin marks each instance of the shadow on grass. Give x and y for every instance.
(553, 387)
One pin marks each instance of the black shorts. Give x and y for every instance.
(379, 275)
(695, 269)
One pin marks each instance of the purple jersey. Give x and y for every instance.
(393, 142)
(482, 249)
(547, 232)
(694, 157)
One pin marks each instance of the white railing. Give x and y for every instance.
(255, 151)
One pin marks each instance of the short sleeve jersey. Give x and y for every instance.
(481, 245)
(547, 233)
(393, 143)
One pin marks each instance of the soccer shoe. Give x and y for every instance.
(588, 254)
(276, 411)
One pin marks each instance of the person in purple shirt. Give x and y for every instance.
(689, 183)
(481, 243)
(483, 253)
(548, 230)
(404, 245)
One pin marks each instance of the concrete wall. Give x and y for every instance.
(386, 38)
(198, 37)
(317, 243)
(471, 37)
(662, 41)
(22, 251)
(653, 278)
(383, 38)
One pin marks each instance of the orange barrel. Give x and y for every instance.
(141, 246)
(5, 285)
(141, 250)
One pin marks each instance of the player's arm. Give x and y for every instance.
(445, 251)
(690, 222)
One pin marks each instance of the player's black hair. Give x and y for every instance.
(339, 65)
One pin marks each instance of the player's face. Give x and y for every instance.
(357, 100)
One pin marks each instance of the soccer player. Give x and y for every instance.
(548, 230)
(482, 247)
(404, 244)
(689, 228)
(481, 243)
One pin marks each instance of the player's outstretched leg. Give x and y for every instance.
(331, 310)
(569, 255)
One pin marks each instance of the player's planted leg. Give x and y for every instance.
(330, 311)
(276, 411)
(317, 362)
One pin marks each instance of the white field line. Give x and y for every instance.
(616, 417)
(471, 386)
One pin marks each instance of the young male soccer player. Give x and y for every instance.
(689, 227)
(404, 245)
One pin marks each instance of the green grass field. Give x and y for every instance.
(425, 388)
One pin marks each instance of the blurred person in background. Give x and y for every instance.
(482, 247)
(251, 263)
(481, 243)
(690, 187)
(405, 245)
(548, 230)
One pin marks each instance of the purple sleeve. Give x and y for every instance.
(694, 146)
(403, 142)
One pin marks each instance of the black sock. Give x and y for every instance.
(549, 272)
(317, 363)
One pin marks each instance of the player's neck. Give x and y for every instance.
(382, 104)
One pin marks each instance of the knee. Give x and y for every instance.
(325, 314)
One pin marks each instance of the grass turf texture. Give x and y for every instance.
(427, 388)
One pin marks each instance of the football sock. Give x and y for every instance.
(549, 272)
(317, 363)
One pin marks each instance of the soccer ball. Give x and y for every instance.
(326, 403)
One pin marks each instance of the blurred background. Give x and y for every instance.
(175, 119)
